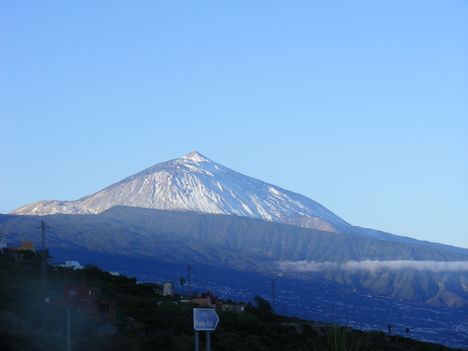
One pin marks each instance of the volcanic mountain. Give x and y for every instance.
(195, 183)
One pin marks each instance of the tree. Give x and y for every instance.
(264, 308)
(182, 282)
(389, 327)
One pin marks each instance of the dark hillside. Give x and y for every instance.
(146, 321)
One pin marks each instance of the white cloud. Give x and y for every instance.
(374, 266)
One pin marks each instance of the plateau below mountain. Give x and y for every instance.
(248, 244)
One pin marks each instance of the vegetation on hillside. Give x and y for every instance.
(147, 321)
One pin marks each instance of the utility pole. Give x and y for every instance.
(43, 227)
(189, 277)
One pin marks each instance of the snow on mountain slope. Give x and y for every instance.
(196, 183)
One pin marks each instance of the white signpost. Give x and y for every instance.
(204, 319)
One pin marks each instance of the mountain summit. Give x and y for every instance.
(195, 183)
(195, 156)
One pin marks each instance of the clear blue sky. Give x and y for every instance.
(360, 105)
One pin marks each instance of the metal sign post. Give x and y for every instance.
(197, 341)
(204, 319)
(68, 330)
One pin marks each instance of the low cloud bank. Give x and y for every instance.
(374, 266)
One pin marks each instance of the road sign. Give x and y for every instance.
(205, 319)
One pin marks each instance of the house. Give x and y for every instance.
(72, 264)
(168, 289)
(234, 307)
(17, 252)
(24, 246)
(208, 300)
(86, 299)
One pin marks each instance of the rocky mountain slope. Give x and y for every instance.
(196, 183)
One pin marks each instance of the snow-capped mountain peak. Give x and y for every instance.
(196, 183)
(195, 156)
